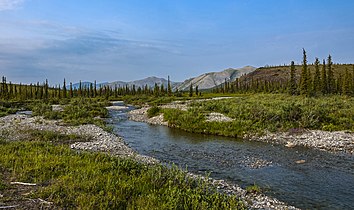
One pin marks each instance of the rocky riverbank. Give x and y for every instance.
(14, 127)
(338, 141)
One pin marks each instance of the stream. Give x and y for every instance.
(324, 181)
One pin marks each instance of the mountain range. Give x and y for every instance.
(204, 81)
(213, 79)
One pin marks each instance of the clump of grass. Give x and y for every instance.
(6, 111)
(253, 189)
(99, 181)
(153, 111)
(76, 112)
(54, 137)
(85, 111)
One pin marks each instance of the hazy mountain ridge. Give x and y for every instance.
(213, 79)
(149, 81)
(204, 81)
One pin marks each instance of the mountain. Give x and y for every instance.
(85, 84)
(212, 79)
(150, 82)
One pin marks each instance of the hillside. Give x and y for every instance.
(212, 79)
(282, 73)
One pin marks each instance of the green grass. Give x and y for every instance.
(153, 111)
(98, 181)
(77, 111)
(253, 189)
(258, 113)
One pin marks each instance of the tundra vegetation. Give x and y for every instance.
(272, 98)
(89, 180)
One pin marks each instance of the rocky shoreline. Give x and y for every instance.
(14, 127)
(338, 141)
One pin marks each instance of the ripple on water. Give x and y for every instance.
(324, 180)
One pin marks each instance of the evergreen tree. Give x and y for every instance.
(95, 90)
(162, 89)
(304, 80)
(46, 87)
(346, 90)
(64, 89)
(59, 90)
(316, 78)
(71, 93)
(169, 89)
(156, 90)
(191, 90)
(292, 84)
(339, 84)
(196, 90)
(80, 89)
(330, 76)
(324, 82)
(91, 90)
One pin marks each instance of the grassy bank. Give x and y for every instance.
(98, 181)
(266, 112)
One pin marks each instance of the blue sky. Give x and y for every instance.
(110, 40)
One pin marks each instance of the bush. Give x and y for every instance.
(153, 111)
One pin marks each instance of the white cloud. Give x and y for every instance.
(10, 4)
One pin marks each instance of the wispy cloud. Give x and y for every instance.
(10, 4)
(52, 51)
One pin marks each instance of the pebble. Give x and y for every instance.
(338, 141)
(102, 141)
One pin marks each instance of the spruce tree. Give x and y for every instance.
(156, 90)
(169, 89)
(191, 90)
(316, 78)
(59, 90)
(46, 87)
(80, 89)
(346, 90)
(330, 76)
(292, 84)
(196, 90)
(64, 89)
(304, 80)
(339, 84)
(91, 90)
(95, 90)
(324, 83)
(71, 93)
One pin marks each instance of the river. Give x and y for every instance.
(324, 181)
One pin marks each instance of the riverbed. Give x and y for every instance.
(299, 176)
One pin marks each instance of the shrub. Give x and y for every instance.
(153, 111)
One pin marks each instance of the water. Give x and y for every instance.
(324, 181)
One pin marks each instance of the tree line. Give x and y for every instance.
(10, 91)
(320, 79)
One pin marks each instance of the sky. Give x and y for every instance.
(111, 40)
